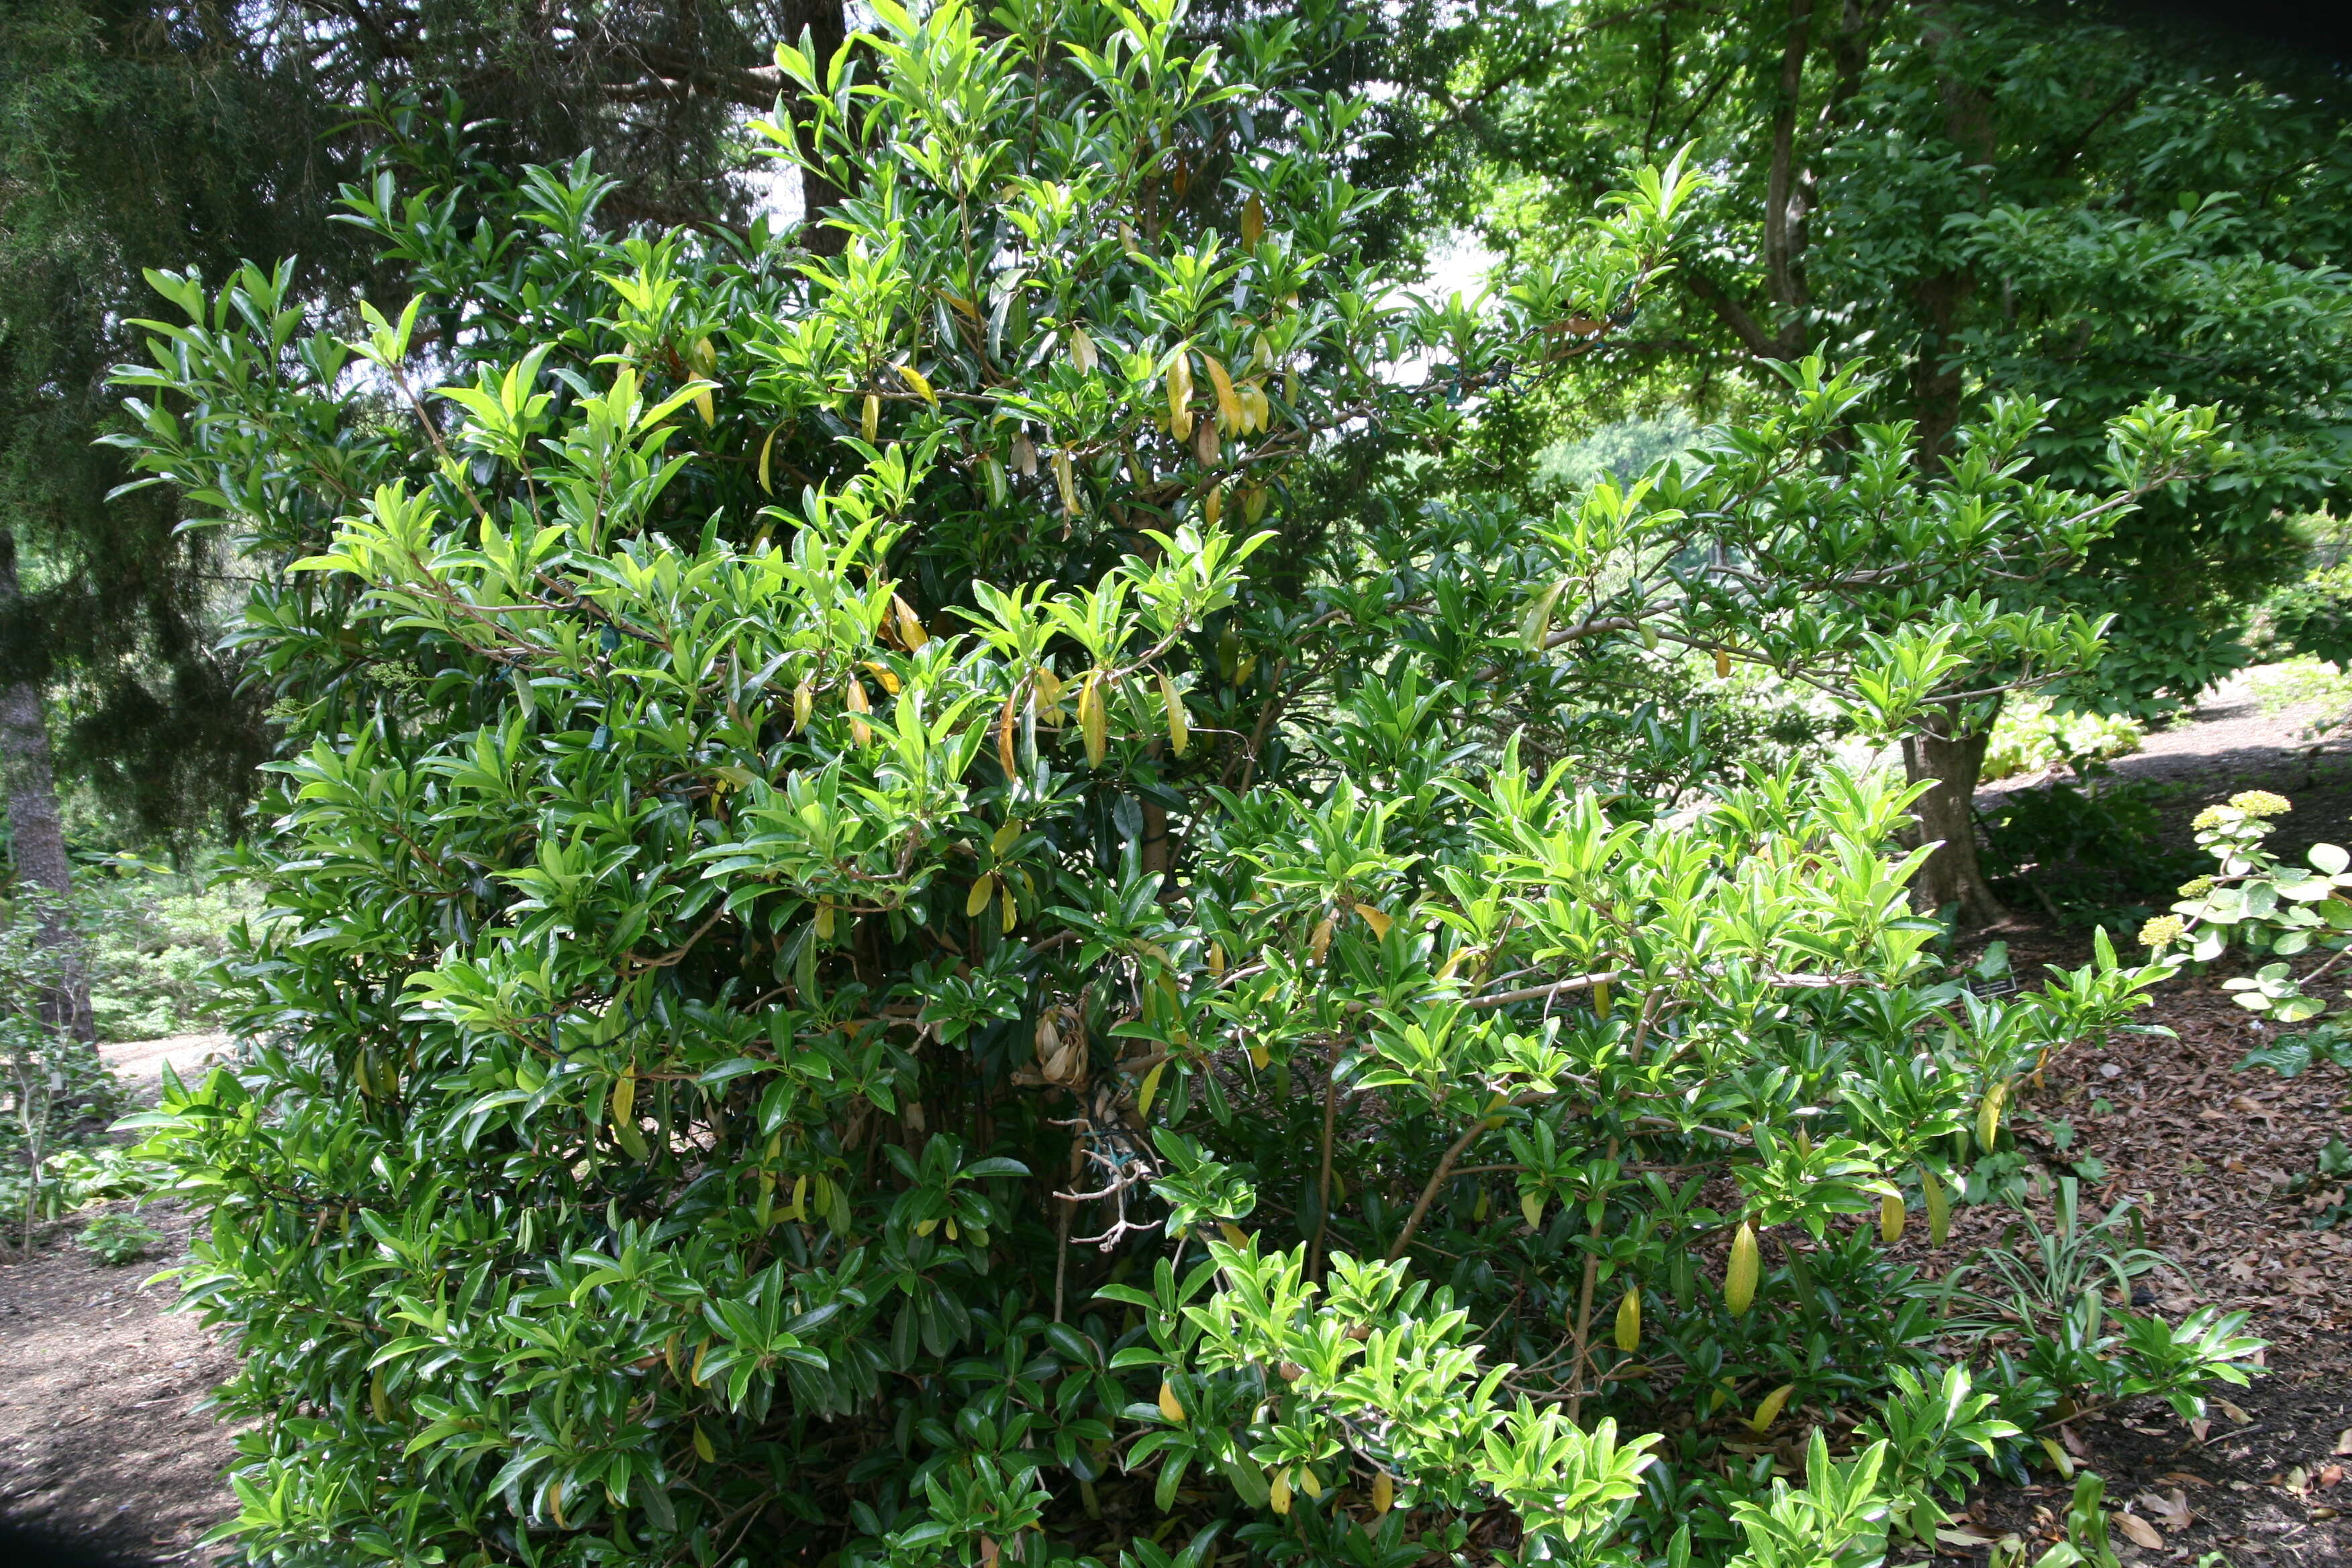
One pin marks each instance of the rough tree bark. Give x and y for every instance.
(1952, 878)
(36, 828)
(827, 30)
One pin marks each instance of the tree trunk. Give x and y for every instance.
(36, 828)
(827, 30)
(1952, 878)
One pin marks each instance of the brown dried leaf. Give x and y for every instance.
(2139, 1530)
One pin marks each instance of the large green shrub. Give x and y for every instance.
(883, 947)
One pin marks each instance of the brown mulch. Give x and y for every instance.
(2206, 1153)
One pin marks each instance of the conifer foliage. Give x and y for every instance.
(868, 955)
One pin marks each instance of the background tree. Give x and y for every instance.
(190, 134)
(2042, 200)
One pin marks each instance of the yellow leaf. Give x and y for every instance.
(1989, 1116)
(1213, 505)
(1004, 740)
(1939, 1207)
(1383, 1489)
(869, 424)
(1478, 1209)
(804, 703)
(1067, 480)
(1308, 1482)
(1127, 240)
(1319, 942)
(707, 406)
(1260, 1057)
(1739, 1275)
(1082, 351)
(917, 385)
(1601, 998)
(1094, 723)
(1004, 838)
(1722, 665)
(378, 1401)
(1891, 1213)
(800, 1199)
(703, 1450)
(1168, 1406)
(1629, 1322)
(1179, 730)
(1204, 443)
(1279, 1494)
(625, 1096)
(1008, 914)
(910, 626)
(551, 1499)
(1376, 919)
(1253, 504)
(925, 1226)
(703, 355)
(1231, 1233)
(2060, 1460)
(1229, 407)
(825, 922)
(1253, 221)
(1151, 1087)
(1531, 1205)
(1179, 394)
(1769, 1411)
(1217, 960)
(977, 899)
(883, 673)
(694, 1375)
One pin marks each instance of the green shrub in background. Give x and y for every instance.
(2030, 735)
(2300, 682)
(153, 939)
(886, 948)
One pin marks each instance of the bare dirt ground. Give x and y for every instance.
(101, 1437)
(99, 1434)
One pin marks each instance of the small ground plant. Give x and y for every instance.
(907, 927)
(120, 1239)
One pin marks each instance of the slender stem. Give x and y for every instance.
(1437, 1180)
(1584, 1306)
(1323, 1183)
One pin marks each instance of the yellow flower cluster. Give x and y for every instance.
(2196, 887)
(2162, 931)
(2261, 803)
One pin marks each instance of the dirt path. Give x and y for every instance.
(101, 1437)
